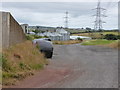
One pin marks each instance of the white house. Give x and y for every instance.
(25, 28)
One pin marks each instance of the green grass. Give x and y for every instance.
(95, 35)
(98, 42)
(32, 37)
(115, 33)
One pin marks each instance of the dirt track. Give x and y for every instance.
(76, 66)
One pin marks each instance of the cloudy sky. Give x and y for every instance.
(53, 13)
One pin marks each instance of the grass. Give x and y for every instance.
(115, 33)
(98, 42)
(66, 42)
(114, 45)
(96, 35)
(32, 37)
(102, 42)
(74, 31)
(20, 61)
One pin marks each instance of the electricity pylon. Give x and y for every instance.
(66, 20)
(99, 15)
(98, 19)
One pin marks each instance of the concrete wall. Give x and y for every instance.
(12, 32)
(5, 29)
(25, 28)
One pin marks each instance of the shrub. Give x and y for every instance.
(32, 37)
(5, 64)
(118, 36)
(37, 37)
(79, 39)
(110, 37)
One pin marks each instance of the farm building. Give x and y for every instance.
(60, 35)
(64, 33)
(25, 28)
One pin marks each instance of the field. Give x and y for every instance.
(74, 31)
(103, 42)
(96, 34)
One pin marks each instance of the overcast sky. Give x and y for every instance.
(52, 14)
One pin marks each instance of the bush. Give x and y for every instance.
(118, 36)
(5, 64)
(37, 37)
(32, 37)
(79, 39)
(111, 37)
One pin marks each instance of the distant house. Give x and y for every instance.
(42, 28)
(25, 28)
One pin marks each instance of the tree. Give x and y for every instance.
(36, 31)
(88, 28)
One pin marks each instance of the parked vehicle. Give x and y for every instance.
(46, 47)
(47, 39)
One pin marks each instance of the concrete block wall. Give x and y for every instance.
(12, 32)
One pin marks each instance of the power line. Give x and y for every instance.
(99, 15)
(110, 4)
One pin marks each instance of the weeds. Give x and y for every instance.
(103, 42)
(67, 42)
(5, 64)
(20, 61)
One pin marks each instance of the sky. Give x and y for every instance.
(53, 13)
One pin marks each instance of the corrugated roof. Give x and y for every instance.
(48, 34)
(61, 31)
(57, 34)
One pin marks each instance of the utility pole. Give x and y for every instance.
(98, 17)
(66, 19)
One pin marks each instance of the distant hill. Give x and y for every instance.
(42, 28)
(71, 30)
